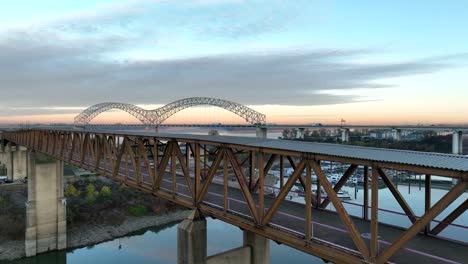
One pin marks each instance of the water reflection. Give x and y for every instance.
(159, 245)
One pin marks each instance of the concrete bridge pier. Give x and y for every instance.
(396, 134)
(457, 146)
(301, 133)
(345, 135)
(261, 132)
(191, 240)
(15, 160)
(192, 246)
(457, 142)
(6, 158)
(46, 225)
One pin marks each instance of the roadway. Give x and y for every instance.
(326, 225)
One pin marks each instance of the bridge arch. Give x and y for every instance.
(248, 114)
(159, 115)
(90, 113)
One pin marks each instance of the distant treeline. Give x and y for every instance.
(429, 143)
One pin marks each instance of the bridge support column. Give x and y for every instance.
(15, 160)
(260, 247)
(20, 163)
(46, 207)
(301, 133)
(261, 132)
(396, 134)
(191, 240)
(8, 158)
(457, 146)
(345, 135)
(457, 142)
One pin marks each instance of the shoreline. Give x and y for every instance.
(81, 236)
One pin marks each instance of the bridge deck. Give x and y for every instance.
(128, 158)
(327, 226)
(416, 158)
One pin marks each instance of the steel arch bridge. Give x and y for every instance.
(159, 115)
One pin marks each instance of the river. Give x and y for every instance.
(159, 246)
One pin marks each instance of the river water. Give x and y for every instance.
(159, 245)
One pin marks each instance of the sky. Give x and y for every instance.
(301, 61)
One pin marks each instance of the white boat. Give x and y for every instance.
(343, 195)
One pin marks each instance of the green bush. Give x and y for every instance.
(138, 211)
(71, 191)
(91, 194)
(106, 191)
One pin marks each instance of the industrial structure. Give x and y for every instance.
(182, 168)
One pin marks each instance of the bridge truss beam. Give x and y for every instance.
(159, 166)
(159, 115)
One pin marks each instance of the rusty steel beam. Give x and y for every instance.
(450, 218)
(308, 204)
(163, 164)
(225, 183)
(283, 192)
(90, 149)
(427, 200)
(341, 211)
(404, 205)
(261, 184)
(185, 170)
(340, 183)
(209, 179)
(266, 169)
(243, 185)
(422, 222)
(374, 243)
(365, 207)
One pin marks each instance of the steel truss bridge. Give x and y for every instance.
(157, 116)
(224, 177)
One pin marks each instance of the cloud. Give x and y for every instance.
(69, 61)
(72, 73)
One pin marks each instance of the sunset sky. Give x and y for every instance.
(298, 61)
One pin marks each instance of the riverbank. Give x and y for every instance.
(82, 236)
(98, 210)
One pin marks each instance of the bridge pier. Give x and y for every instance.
(261, 132)
(457, 142)
(192, 245)
(46, 223)
(191, 240)
(457, 146)
(396, 134)
(15, 160)
(6, 158)
(345, 135)
(301, 132)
